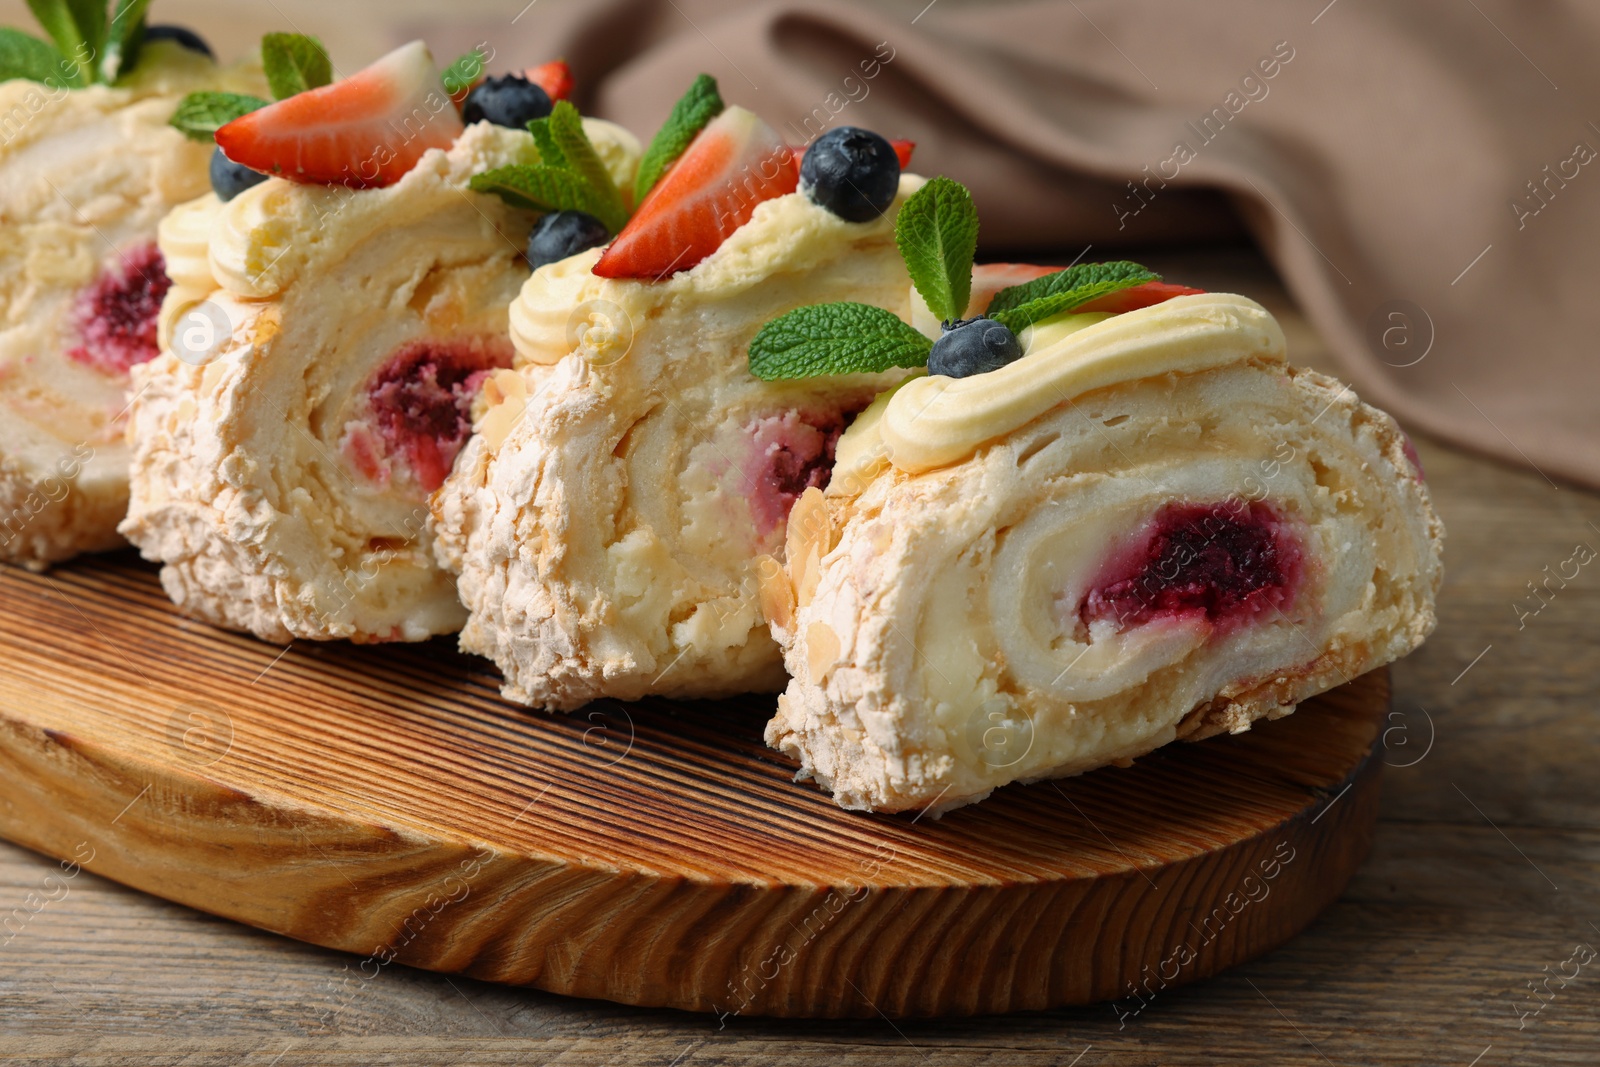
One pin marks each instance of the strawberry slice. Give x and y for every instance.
(365, 131)
(902, 152)
(1136, 297)
(734, 164)
(554, 77)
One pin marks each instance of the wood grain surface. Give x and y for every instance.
(1484, 875)
(384, 802)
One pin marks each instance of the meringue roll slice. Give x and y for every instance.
(325, 346)
(86, 174)
(1148, 528)
(607, 518)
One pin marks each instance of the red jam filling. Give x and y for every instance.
(790, 453)
(116, 316)
(1226, 563)
(421, 403)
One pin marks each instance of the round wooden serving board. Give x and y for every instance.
(386, 802)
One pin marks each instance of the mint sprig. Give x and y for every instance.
(568, 177)
(690, 115)
(78, 27)
(294, 63)
(87, 46)
(1020, 306)
(550, 153)
(840, 338)
(579, 156)
(464, 73)
(201, 115)
(937, 233)
(25, 56)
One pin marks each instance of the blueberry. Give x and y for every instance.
(564, 233)
(181, 35)
(852, 172)
(229, 179)
(973, 346)
(506, 100)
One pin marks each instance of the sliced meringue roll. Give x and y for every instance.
(607, 518)
(85, 176)
(324, 348)
(1148, 528)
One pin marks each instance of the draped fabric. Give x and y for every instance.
(1422, 174)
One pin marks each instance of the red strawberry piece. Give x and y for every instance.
(365, 131)
(989, 278)
(1136, 297)
(902, 151)
(735, 163)
(554, 77)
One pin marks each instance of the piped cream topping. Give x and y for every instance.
(564, 308)
(265, 237)
(185, 239)
(545, 318)
(937, 421)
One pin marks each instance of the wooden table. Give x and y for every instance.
(1485, 877)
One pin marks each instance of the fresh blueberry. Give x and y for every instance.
(564, 233)
(229, 179)
(852, 172)
(506, 100)
(973, 346)
(181, 35)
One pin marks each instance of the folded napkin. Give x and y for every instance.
(1422, 174)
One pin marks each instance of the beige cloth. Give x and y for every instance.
(1381, 153)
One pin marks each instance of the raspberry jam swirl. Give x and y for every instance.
(1226, 563)
(116, 317)
(420, 407)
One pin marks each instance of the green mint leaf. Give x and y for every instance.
(937, 232)
(123, 39)
(566, 131)
(1023, 305)
(78, 29)
(201, 115)
(294, 63)
(843, 338)
(694, 109)
(1025, 315)
(22, 56)
(542, 188)
(463, 73)
(90, 16)
(550, 153)
(1069, 279)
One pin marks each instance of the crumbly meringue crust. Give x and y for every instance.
(921, 614)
